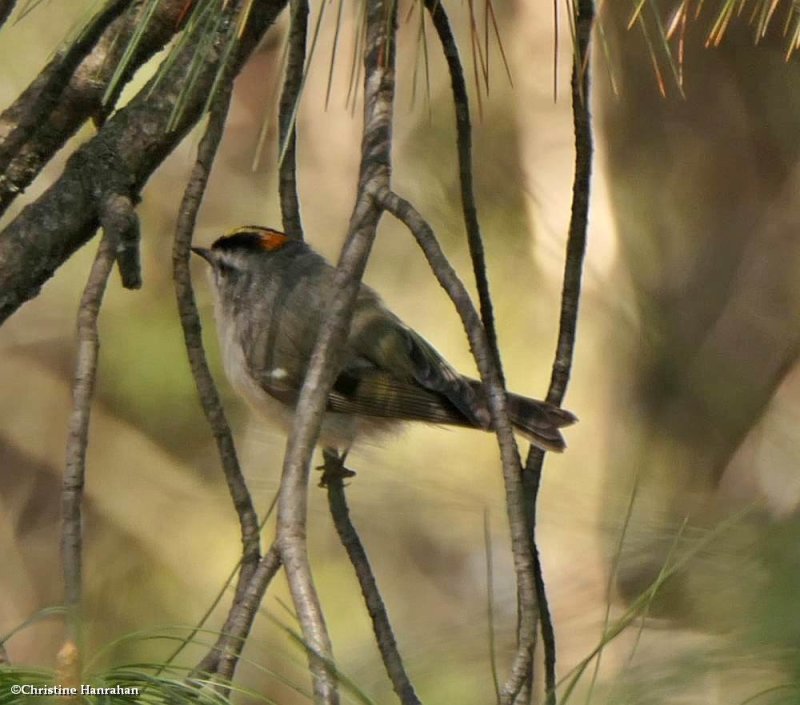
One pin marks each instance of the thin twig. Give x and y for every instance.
(192, 333)
(348, 535)
(379, 52)
(287, 119)
(464, 145)
(487, 543)
(240, 619)
(78, 436)
(520, 537)
(570, 298)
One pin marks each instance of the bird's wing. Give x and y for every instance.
(392, 359)
(374, 392)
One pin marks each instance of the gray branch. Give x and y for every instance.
(289, 106)
(78, 435)
(521, 547)
(374, 171)
(570, 298)
(332, 479)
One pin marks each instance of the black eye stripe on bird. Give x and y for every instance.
(269, 309)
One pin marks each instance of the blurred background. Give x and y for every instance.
(681, 473)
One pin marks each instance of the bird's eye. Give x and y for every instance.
(224, 268)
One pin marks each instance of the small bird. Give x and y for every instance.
(271, 293)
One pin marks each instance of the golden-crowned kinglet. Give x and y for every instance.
(271, 293)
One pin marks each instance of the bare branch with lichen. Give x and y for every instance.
(50, 84)
(63, 96)
(46, 233)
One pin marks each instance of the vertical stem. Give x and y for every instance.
(78, 435)
(570, 298)
(287, 121)
(384, 635)
(379, 53)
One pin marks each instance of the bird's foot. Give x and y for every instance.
(333, 467)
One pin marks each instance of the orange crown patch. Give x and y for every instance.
(253, 236)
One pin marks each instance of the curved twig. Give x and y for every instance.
(384, 635)
(207, 391)
(78, 436)
(520, 536)
(464, 146)
(287, 120)
(570, 298)
(292, 504)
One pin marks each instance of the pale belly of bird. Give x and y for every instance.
(338, 431)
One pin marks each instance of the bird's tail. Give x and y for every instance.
(539, 421)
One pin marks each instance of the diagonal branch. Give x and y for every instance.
(464, 146)
(289, 106)
(224, 656)
(379, 55)
(78, 94)
(521, 547)
(570, 298)
(52, 82)
(64, 217)
(6, 8)
(384, 636)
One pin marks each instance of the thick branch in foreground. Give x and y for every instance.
(289, 107)
(570, 298)
(384, 635)
(49, 230)
(323, 367)
(56, 76)
(59, 101)
(78, 436)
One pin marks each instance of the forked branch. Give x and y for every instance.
(570, 298)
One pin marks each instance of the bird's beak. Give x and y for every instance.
(204, 253)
